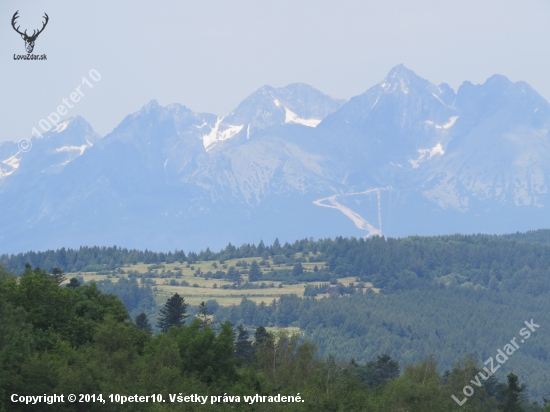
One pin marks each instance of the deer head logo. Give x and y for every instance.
(29, 40)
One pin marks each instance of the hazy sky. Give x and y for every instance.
(209, 55)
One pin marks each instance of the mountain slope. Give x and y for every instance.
(405, 157)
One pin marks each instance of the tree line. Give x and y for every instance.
(500, 263)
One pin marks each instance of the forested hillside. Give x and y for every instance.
(76, 340)
(446, 322)
(476, 261)
(445, 296)
(538, 236)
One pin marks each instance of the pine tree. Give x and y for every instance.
(378, 372)
(233, 275)
(204, 313)
(142, 322)
(513, 395)
(261, 335)
(254, 273)
(261, 247)
(173, 313)
(73, 283)
(298, 269)
(243, 347)
(57, 276)
(387, 368)
(276, 247)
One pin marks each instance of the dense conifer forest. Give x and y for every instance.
(426, 256)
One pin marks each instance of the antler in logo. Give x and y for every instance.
(29, 40)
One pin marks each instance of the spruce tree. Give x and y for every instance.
(173, 313)
(386, 368)
(276, 247)
(261, 247)
(243, 347)
(254, 273)
(298, 269)
(142, 322)
(376, 373)
(513, 395)
(233, 275)
(203, 314)
(261, 335)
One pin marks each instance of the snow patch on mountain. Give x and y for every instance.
(73, 148)
(73, 152)
(62, 126)
(449, 124)
(441, 101)
(425, 154)
(13, 163)
(291, 117)
(217, 135)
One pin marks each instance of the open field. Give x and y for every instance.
(200, 288)
(291, 330)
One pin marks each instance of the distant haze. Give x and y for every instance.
(287, 163)
(210, 55)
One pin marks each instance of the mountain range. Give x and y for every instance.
(406, 157)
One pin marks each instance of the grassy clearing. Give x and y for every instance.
(201, 289)
(291, 330)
